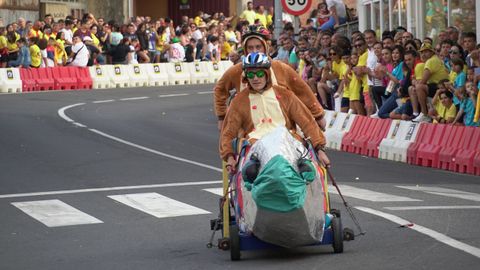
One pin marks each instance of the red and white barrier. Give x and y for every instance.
(337, 125)
(400, 135)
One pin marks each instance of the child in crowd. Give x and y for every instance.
(23, 59)
(459, 83)
(355, 86)
(467, 106)
(343, 90)
(443, 111)
(35, 53)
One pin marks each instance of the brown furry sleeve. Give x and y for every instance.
(234, 121)
(227, 82)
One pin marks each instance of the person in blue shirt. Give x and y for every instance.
(467, 106)
(459, 83)
(23, 59)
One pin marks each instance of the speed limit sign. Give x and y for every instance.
(296, 7)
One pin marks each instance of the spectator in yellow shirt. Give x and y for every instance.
(249, 14)
(260, 15)
(35, 31)
(35, 53)
(3, 47)
(198, 19)
(444, 111)
(360, 73)
(433, 73)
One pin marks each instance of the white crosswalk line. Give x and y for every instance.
(447, 192)
(369, 195)
(55, 213)
(158, 205)
(217, 191)
(349, 191)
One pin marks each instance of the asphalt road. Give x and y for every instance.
(111, 147)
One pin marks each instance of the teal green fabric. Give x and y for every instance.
(279, 187)
(310, 175)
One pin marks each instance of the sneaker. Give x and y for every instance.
(375, 115)
(422, 118)
(418, 117)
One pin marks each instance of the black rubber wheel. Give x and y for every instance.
(234, 243)
(337, 235)
(335, 212)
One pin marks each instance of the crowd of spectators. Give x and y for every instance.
(90, 41)
(390, 76)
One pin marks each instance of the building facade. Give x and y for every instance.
(424, 18)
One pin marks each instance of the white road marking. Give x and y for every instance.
(158, 205)
(133, 98)
(86, 190)
(55, 213)
(368, 195)
(173, 95)
(103, 101)
(79, 125)
(429, 232)
(155, 151)
(445, 192)
(205, 92)
(440, 207)
(61, 112)
(216, 191)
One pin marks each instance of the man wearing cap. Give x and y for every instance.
(282, 75)
(434, 71)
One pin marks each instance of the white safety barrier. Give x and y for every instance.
(215, 70)
(156, 73)
(100, 77)
(337, 126)
(138, 76)
(10, 81)
(198, 73)
(328, 117)
(178, 73)
(400, 136)
(118, 75)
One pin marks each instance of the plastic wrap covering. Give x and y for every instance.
(280, 207)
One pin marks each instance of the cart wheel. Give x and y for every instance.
(335, 212)
(234, 243)
(337, 235)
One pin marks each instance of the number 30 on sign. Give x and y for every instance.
(296, 7)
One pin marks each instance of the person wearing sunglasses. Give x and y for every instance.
(262, 107)
(255, 40)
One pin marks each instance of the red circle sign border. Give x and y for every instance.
(297, 13)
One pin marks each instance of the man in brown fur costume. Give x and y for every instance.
(281, 75)
(263, 106)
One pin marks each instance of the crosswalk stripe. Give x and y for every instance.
(349, 191)
(158, 205)
(447, 192)
(55, 213)
(217, 191)
(369, 195)
(440, 207)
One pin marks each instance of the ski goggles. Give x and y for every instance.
(258, 73)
